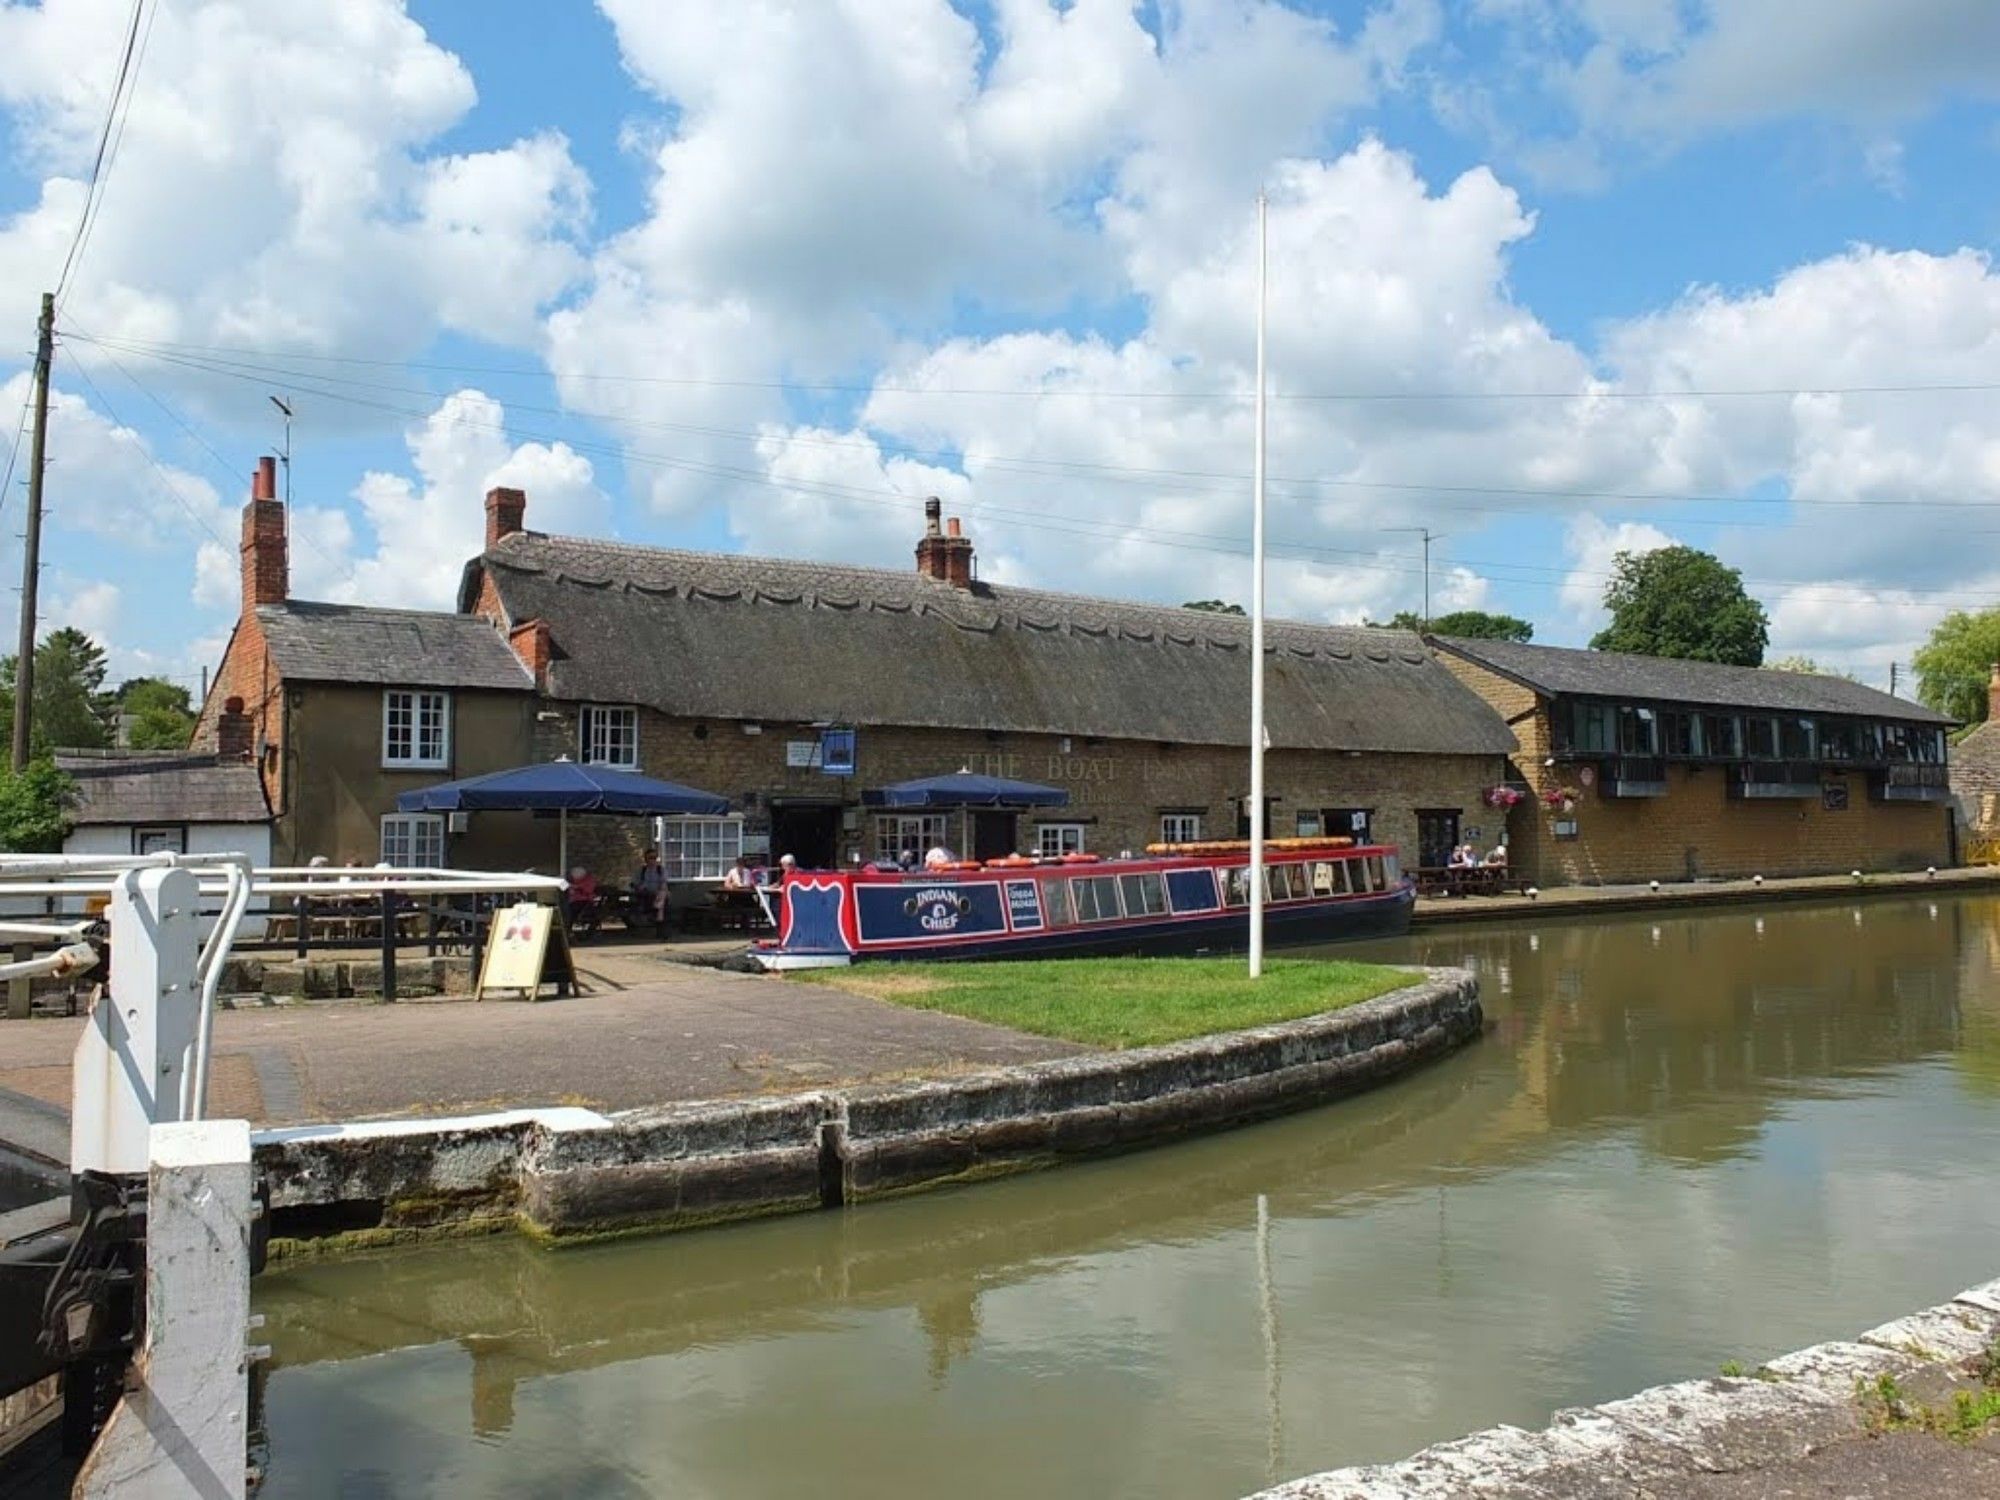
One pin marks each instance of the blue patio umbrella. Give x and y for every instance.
(966, 789)
(563, 787)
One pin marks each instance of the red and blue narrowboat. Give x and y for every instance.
(1176, 899)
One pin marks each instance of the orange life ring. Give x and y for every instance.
(1079, 859)
(1009, 862)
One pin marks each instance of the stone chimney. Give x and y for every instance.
(945, 551)
(1992, 689)
(234, 737)
(266, 567)
(505, 512)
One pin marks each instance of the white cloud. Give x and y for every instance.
(1592, 546)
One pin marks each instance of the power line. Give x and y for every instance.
(173, 490)
(98, 174)
(838, 388)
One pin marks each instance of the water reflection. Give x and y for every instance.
(1738, 1135)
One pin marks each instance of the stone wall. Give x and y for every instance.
(573, 1173)
(1697, 830)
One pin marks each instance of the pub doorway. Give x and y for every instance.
(1437, 836)
(808, 831)
(994, 834)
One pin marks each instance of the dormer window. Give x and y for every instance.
(416, 730)
(608, 735)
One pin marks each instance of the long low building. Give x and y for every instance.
(792, 688)
(1636, 768)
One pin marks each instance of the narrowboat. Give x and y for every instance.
(1176, 899)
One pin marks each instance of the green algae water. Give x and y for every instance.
(1681, 1142)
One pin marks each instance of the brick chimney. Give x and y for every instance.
(234, 737)
(266, 568)
(505, 512)
(535, 646)
(1992, 689)
(944, 552)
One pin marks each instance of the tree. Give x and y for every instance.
(1214, 607)
(1684, 603)
(71, 707)
(34, 808)
(1806, 666)
(162, 713)
(1473, 624)
(1956, 663)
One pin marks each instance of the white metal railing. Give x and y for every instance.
(232, 879)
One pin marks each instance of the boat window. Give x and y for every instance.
(1323, 878)
(1144, 895)
(1236, 887)
(1378, 879)
(1277, 882)
(1392, 871)
(1096, 898)
(1055, 902)
(1343, 876)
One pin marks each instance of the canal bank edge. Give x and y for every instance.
(1821, 1407)
(569, 1174)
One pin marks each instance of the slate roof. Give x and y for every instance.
(162, 786)
(1975, 761)
(728, 637)
(394, 647)
(1557, 670)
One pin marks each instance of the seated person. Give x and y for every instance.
(1496, 857)
(906, 858)
(649, 887)
(581, 898)
(939, 857)
(738, 877)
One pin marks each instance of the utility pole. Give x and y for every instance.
(1892, 679)
(1257, 629)
(1429, 536)
(31, 554)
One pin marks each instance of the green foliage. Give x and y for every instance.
(1122, 1002)
(72, 710)
(162, 713)
(34, 808)
(1472, 624)
(1808, 667)
(1215, 607)
(1683, 603)
(1955, 664)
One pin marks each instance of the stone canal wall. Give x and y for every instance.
(1849, 1418)
(569, 1173)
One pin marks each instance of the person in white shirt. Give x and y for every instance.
(939, 857)
(737, 877)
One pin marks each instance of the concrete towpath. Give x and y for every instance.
(672, 1032)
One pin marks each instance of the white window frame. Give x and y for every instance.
(1180, 828)
(154, 838)
(413, 841)
(1052, 839)
(423, 710)
(700, 848)
(607, 734)
(922, 832)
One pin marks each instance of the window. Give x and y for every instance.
(1638, 732)
(1310, 825)
(413, 841)
(159, 840)
(1180, 828)
(416, 729)
(1278, 882)
(1761, 735)
(1058, 838)
(1055, 902)
(1236, 886)
(1378, 874)
(1796, 739)
(1681, 733)
(1592, 728)
(919, 833)
(1096, 898)
(1722, 736)
(700, 848)
(609, 736)
(1840, 739)
(1144, 895)
(1243, 817)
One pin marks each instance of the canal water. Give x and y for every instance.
(1682, 1141)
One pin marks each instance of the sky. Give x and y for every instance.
(1554, 279)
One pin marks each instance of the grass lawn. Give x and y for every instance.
(1120, 1002)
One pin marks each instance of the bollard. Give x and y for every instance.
(388, 900)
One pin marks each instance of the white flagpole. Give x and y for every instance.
(1257, 637)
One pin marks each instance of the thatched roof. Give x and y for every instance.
(728, 637)
(1557, 670)
(312, 642)
(162, 786)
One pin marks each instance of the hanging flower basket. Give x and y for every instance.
(1562, 798)
(1503, 796)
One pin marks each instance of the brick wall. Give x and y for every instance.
(1696, 830)
(1118, 789)
(247, 672)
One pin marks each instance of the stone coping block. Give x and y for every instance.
(1659, 1440)
(573, 1172)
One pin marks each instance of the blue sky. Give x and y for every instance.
(762, 277)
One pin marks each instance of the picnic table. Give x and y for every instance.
(1462, 880)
